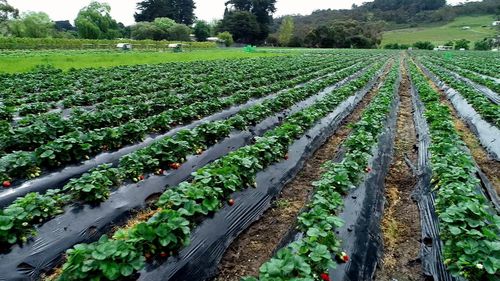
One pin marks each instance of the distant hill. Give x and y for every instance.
(472, 28)
(408, 20)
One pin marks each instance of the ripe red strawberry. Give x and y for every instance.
(163, 255)
(141, 177)
(6, 184)
(231, 202)
(175, 166)
(286, 156)
(344, 257)
(368, 169)
(325, 277)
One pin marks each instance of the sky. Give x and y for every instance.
(123, 10)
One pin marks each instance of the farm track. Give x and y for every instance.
(258, 243)
(401, 224)
(488, 166)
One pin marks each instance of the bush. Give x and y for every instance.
(226, 37)
(296, 41)
(12, 43)
(484, 45)
(423, 45)
(462, 44)
(179, 32)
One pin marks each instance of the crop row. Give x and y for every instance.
(485, 107)
(182, 82)
(50, 127)
(482, 80)
(78, 146)
(310, 257)
(168, 153)
(468, 226)
(173, 83)
(476, 64)
(180, 208)
(49, 84)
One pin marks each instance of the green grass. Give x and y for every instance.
(444, 33)
(22, 61)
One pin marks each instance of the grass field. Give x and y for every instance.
(442, 34)
(22, 61)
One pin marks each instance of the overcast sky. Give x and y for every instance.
(123, 10)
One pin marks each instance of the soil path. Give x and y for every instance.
(401, 221)
(257, 244)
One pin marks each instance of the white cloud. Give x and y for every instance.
(123, 10)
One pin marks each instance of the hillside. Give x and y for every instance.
(439, 34)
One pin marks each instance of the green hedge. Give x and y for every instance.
(14, 43)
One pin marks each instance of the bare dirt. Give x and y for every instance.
(256, 245)
(401, 222)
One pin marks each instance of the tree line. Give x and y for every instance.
(244, 22)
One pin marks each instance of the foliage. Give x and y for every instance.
(33, 25)
(462, 44)
(286, 31)
(242, 25)
(254, 15)
(423, 45)
(7, 11)
(201, 31)
(468, 225)
(483, 45)
(396, 46)
(95, 22)
(344, 34)
(226, 37)
(14, 43)
(181, 11)
(179, 32)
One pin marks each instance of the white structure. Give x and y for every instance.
(466, 27)
(124, 46)
(443, 48)
(495, 23)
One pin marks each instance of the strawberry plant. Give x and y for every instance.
(468, 226)
(208, 188)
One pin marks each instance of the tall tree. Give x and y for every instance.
(242, 25)
(33, 25)
(181, 11)
(201, 30)
(286, 31)
(7, 12)
(95, 22)
(261, 9)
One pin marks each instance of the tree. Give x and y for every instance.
(163, 26)
(63, 25)
(7, 12)
(179, 32)
(226, 37)
(201, 31)
(33, 25)
(181, 11)
(145, 30)
(242, 25)
(262, 10)
(286, 31)
(95, 22)
(483, 45)
(462, 44)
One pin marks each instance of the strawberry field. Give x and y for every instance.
(269, 168)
